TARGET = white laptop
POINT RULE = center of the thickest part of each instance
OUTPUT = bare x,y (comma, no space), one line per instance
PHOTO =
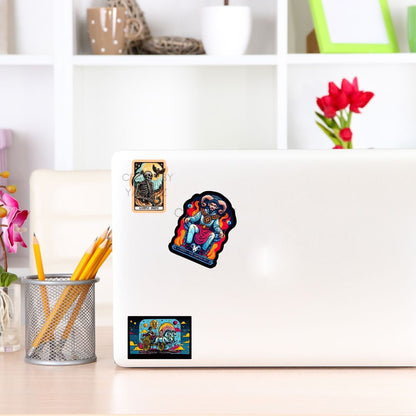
264,258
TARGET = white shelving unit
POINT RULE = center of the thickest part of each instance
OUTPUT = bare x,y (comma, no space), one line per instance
175,101
72,110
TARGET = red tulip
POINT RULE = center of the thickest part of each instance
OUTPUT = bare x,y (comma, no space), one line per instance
340,98
346,134
357,99
327,106
336,100
337,108
349,88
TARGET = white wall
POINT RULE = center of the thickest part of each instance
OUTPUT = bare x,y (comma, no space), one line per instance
171,108
26,107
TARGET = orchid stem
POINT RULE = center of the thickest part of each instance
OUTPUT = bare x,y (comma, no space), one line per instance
4,251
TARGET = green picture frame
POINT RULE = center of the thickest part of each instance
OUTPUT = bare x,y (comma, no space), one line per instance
381,34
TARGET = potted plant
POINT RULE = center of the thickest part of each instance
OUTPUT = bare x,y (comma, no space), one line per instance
226,29
12,220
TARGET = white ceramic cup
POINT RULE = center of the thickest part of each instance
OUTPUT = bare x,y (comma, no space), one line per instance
225,29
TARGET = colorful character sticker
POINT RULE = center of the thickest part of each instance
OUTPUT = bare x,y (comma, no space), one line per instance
148,181
155,337
203,228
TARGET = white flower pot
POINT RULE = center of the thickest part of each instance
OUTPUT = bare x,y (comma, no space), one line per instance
10,339
226,29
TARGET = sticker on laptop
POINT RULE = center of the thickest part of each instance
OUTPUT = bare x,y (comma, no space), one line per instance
148,181
203,228
156,337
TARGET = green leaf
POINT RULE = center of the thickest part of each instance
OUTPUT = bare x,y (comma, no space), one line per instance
13,278
7,278
330,134
330,122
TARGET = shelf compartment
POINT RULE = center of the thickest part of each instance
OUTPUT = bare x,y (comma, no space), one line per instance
31,27
386,122
182,18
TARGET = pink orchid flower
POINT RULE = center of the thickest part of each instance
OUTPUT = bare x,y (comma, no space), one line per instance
12,223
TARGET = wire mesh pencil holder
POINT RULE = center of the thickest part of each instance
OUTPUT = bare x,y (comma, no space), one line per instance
59,320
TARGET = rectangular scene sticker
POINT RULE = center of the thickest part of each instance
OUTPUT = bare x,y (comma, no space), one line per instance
159,337
148,181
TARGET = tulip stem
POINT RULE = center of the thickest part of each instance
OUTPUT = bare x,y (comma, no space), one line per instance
4,251
349,118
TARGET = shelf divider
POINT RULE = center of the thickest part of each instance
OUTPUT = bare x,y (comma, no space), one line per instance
63,86
282,70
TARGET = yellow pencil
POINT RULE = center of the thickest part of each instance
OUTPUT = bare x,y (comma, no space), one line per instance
94,260
83,262
108,251
75,312
38,258
41,275
90,262
103,250
63,304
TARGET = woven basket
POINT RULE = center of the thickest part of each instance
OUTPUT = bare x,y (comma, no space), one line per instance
148,45
171,45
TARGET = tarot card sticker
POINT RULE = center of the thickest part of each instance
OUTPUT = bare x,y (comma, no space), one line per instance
155,337
148,181
203,228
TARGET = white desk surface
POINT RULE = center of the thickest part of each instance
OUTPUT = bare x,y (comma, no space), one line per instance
104,388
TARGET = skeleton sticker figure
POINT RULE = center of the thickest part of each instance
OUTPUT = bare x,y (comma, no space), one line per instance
148,181
203,228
